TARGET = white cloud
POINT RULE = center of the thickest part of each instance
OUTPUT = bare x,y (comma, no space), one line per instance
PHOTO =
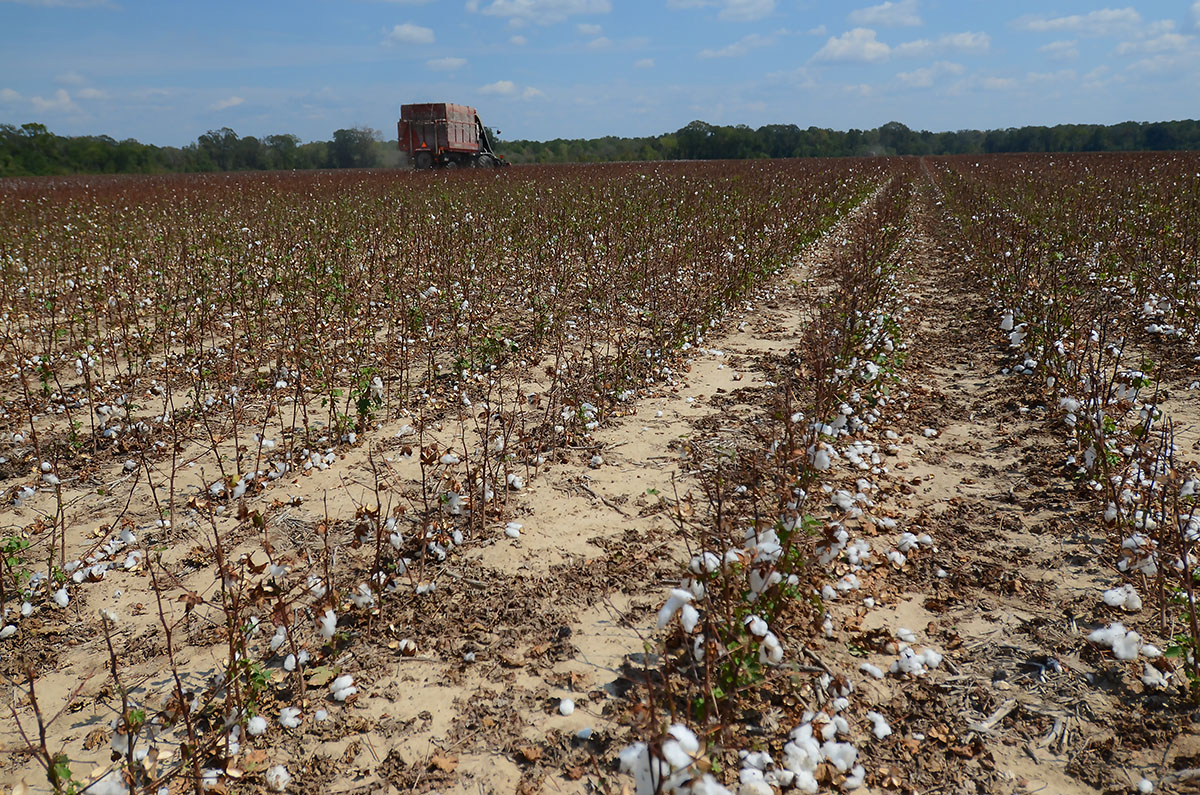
1063,50
531,93
1102,22
862,44
61,101
519,41
91,93
744,45
732,10
645,63
445,64
408,33
1196,15
1063,77
228,102
71,79
1167,42
500,87
589,30
8,95
950,42
746,10
998,83
821,30
898,14
599,43
542,12
859,44
928,75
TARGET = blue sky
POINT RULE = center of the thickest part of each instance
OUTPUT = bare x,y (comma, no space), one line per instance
166,71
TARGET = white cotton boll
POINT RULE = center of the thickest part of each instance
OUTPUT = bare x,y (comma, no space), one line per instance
855,778
871,669
752,782
26,609
61,597
686,738
907,542
278,638
256,726
688,618
112,783
770,651
321,715
344,693
757,626
566,707
51,480
676,600
930,658
1127,647
130,465
1153,678
289,717
278,778
327,624
1187,490
930,432
396,540
363,597
512,530
842,755
1125,597
1006,322
289,662
674,755
1145,786
881,728
515,481
341,683
828,594
1150,650
906,635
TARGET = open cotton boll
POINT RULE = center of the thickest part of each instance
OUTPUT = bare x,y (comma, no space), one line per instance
881,728
566,707
327,624
1125,597
256,726
675,601
279,638
855,779
111,783
1127,648
289,717
363,597
752,782
906,635
512,530
278,778
688,618
1153,678
61,597
872,670
1006,322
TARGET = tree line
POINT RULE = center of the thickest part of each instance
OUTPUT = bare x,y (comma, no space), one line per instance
702,141
31,149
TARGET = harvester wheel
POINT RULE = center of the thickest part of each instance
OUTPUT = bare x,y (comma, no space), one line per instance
486,161
450,164
423,160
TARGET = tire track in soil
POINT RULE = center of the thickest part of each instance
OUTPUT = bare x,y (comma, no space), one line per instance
1024,560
